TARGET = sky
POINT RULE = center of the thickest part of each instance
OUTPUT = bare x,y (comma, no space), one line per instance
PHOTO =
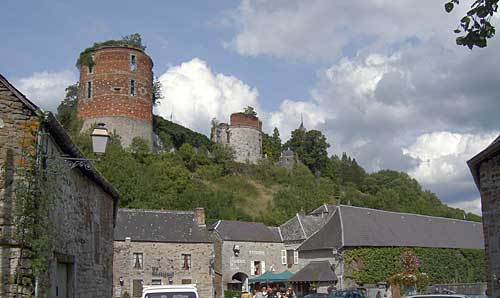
382,79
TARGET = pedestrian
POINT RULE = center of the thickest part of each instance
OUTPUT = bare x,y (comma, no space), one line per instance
379,295
260,294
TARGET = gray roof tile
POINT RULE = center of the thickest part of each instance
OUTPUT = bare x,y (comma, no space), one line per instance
159,226
232,230
354,226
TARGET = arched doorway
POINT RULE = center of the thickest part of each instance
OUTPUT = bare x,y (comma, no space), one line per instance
239,282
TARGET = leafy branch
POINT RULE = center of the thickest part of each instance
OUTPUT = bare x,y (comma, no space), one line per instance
475,26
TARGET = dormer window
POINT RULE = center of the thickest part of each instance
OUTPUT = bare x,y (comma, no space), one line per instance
133,62
131,88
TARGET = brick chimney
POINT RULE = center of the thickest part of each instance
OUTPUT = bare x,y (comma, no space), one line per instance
199,217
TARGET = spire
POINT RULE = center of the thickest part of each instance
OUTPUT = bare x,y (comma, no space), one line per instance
301,127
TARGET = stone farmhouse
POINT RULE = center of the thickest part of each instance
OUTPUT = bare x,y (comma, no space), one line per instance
485,169
351,227
80,214
160,248
244,250
243,134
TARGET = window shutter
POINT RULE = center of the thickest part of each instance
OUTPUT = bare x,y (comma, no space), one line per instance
283,257
295,257
252,268
263,264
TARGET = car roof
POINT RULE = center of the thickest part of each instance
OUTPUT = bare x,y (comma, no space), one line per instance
169,288
436,295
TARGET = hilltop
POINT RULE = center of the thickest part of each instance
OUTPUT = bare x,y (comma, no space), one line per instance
198,173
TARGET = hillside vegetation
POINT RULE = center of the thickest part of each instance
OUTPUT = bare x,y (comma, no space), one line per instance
201,174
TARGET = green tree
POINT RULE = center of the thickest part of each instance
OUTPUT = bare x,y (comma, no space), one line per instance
66,111
250,111
475,26
311,148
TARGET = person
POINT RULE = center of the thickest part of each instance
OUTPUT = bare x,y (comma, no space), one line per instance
379,295
245,294
260,294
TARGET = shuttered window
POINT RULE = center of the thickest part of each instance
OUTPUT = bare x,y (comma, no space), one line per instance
283,257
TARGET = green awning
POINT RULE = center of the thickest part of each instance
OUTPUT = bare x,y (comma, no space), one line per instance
270,277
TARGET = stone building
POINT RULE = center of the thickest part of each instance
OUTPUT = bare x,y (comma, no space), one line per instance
350,227
161,248
244,250
79,215
485,168
243,134
117,90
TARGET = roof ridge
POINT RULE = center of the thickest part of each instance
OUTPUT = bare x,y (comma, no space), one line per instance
413,214
155,211
301,226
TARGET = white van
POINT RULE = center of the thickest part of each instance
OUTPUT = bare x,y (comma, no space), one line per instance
170,291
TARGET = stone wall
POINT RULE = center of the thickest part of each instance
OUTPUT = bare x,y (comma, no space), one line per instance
246,143
110,97
489,177
81,214
269,253
167,258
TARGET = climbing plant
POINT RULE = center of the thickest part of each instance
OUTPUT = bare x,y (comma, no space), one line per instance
34,193
372,265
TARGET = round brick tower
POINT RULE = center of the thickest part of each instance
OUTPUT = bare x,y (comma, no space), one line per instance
245,137
117,91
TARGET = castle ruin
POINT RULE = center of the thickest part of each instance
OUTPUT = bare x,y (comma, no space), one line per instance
116,89
243,134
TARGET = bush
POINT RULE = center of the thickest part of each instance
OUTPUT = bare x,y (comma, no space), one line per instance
232,294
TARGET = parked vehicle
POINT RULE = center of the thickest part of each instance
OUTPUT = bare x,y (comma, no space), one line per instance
349,293
316,295
438,296
170,291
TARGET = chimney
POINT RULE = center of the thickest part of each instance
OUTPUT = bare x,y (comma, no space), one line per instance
199,217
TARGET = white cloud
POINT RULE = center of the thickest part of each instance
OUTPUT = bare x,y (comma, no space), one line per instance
194,94
441,156
324,29
46,89
473,206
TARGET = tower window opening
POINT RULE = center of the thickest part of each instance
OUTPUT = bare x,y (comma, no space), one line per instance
89,89
133,62
132,88
91,68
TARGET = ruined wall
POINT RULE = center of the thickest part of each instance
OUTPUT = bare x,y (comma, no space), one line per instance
489,177
167,258
246,143
81,214
111,101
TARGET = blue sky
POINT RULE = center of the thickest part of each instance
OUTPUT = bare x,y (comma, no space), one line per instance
382,79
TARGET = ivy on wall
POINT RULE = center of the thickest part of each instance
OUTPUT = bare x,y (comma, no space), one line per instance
372,265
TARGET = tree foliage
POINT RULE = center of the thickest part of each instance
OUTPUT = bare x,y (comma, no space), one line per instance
310,146
475,27
250,111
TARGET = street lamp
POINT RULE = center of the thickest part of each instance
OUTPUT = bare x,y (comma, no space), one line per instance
100,137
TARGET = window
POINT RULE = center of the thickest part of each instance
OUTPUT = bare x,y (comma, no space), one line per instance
131,88
133,62
186,261
156,282
89,89
289,257
186,281
91,68
138,260
257,267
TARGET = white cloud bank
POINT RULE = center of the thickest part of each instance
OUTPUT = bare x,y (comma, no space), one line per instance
194,94
47,88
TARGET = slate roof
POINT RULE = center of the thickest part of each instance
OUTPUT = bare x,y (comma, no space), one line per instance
301,226
232,230
324,209
159,226
475,162
362,227
315,271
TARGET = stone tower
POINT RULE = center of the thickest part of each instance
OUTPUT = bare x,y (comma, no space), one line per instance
243,134
117,90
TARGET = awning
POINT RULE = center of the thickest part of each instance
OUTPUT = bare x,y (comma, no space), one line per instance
315,272
271,277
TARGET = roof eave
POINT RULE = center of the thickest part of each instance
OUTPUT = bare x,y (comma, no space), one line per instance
475,162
